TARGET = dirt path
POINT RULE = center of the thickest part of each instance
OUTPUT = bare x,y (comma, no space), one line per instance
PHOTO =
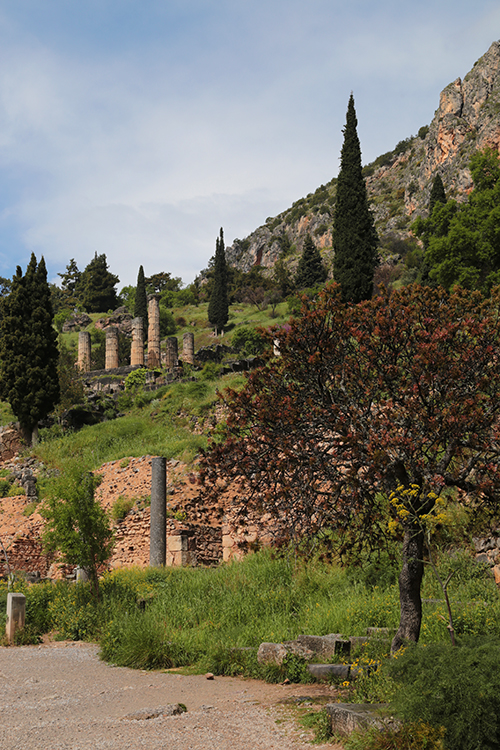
60,696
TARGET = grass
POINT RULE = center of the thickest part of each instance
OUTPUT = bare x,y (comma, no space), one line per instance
159,426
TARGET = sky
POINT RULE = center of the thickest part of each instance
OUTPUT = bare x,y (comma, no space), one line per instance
139,128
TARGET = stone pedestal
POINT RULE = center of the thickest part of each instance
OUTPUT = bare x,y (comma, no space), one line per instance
137,349
111,349
188,348
84,351
16,609
158,522
178,554
154,355
172,353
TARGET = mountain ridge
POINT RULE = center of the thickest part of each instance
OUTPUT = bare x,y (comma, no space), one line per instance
398,182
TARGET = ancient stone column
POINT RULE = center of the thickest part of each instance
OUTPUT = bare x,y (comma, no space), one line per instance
16,609
137,349
188,348
111,348
154,356
158,518
172,353
84,350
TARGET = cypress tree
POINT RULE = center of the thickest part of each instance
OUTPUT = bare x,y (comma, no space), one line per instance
28,348
354,237
311,270
438,194
218,306
96,287
141,300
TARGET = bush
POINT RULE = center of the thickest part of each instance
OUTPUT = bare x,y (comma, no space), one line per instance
248,341
414,736
121,507
453,687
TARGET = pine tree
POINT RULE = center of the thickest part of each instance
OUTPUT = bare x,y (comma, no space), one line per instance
218,306
141,300
311,270
28,348
438,194
69,282
354,236
96,287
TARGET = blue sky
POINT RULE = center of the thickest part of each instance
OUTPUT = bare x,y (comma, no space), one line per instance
137,128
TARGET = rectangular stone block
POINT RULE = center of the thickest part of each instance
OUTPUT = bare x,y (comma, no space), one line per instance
16,609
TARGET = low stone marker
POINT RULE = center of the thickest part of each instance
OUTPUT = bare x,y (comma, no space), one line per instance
16,612
346,717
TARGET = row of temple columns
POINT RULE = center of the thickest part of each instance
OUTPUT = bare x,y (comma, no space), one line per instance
137,357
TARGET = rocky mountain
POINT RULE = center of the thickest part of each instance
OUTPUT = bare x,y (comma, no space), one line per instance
398,182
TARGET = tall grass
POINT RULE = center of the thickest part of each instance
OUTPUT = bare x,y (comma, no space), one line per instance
159,426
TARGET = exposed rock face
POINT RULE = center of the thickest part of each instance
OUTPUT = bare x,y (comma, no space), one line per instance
467,119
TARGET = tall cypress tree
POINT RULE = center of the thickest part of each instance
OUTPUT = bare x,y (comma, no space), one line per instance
438,194
310,270
141,300
28,348
218,306
354,237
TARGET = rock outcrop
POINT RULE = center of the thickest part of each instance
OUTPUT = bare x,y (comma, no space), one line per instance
398,183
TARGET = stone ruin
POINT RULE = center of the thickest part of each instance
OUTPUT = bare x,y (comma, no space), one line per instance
138,357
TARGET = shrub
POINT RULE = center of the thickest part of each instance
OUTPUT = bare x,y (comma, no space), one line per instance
453,687
413,736
121,507
248,341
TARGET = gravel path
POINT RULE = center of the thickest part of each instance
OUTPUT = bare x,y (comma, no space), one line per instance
60,696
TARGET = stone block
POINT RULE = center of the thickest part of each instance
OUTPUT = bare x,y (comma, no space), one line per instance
177,543
326,645
346,717
327,671
16,612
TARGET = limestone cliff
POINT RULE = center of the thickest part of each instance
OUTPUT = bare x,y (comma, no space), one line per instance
398,183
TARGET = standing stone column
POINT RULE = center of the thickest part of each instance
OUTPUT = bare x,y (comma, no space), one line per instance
84,350
16,609
137,349
154,356
111,348
158,519
188,348
172,353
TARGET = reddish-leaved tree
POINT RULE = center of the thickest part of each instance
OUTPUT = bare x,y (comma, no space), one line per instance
398,394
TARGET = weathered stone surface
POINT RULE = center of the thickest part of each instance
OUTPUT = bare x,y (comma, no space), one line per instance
346,717
325,645
172,709
275,653
326,671
76,322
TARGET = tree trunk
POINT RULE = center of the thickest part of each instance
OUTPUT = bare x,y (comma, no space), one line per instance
410,580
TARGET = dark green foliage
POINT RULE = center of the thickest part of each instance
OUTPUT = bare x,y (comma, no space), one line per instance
167,322
218,306
77,526
453,687
354,236
311,270
463,241
438,194
161,282
248,341
141,300
70,281
28,348
70,379
96,287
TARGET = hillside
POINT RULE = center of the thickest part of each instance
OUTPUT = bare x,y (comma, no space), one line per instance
398,182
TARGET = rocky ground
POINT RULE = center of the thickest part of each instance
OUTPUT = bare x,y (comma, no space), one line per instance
61,697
